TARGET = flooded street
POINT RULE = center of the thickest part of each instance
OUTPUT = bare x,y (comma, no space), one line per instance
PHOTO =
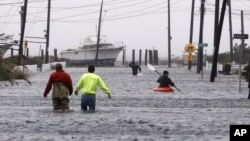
200,111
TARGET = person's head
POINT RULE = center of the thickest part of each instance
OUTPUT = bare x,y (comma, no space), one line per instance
91,68
58,66
165,73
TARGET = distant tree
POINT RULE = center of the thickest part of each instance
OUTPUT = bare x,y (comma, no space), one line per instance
9,73
225,57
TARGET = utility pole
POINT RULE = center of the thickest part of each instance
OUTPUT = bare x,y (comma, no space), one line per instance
248,70
23,21
230,30
47,34
98,36
216,25
217,43
241,50
169,37
200,49
242,41
216,20
191,32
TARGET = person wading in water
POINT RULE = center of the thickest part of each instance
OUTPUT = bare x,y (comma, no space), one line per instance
135,68
62,88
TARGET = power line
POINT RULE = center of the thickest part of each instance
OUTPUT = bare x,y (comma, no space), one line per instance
119,10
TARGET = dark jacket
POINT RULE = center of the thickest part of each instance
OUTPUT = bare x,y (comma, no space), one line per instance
165,81
135,68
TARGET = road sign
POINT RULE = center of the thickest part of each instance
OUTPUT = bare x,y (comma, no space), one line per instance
189,57
202,45
190,48
241,36
25,43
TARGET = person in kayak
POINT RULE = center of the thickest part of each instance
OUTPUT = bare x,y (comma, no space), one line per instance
165,81
88,83
62,87
135,68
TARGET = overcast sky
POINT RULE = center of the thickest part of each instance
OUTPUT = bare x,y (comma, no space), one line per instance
139,24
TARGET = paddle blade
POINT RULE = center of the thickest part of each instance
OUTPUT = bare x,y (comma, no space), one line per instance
150,67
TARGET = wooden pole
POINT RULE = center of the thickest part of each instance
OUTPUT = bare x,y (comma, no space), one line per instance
146,57
200,49
191,32
150,53
248,71
155,53
23,21
55,54
230,30
139,57
124,55
133,55
98,36
217,43
169,37
47,34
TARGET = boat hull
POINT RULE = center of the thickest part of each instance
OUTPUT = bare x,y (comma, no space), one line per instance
84,57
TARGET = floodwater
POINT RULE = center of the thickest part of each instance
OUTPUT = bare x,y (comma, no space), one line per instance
201,111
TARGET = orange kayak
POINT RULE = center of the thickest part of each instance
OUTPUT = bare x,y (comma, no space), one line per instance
163,89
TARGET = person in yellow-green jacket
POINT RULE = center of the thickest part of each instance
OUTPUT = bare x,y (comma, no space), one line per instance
88,84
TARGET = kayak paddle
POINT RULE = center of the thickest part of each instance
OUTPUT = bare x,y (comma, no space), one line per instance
150,67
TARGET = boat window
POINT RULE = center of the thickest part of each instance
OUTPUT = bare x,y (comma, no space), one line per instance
94,46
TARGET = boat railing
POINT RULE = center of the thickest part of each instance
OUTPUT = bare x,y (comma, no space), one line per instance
90,43
118,44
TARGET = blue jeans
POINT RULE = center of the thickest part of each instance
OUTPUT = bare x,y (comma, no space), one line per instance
88,101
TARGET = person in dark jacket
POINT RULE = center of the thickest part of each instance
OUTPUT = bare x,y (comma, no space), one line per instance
62,87
165,81
135,68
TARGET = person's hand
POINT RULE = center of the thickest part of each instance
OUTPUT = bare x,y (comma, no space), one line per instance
76,92
45,95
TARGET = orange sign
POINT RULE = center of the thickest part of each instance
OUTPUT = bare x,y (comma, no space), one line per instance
190,48
189,57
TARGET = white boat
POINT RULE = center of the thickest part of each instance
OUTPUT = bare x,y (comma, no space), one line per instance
87,53
93,51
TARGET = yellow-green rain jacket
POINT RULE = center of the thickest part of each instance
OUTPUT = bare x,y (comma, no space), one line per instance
88,84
